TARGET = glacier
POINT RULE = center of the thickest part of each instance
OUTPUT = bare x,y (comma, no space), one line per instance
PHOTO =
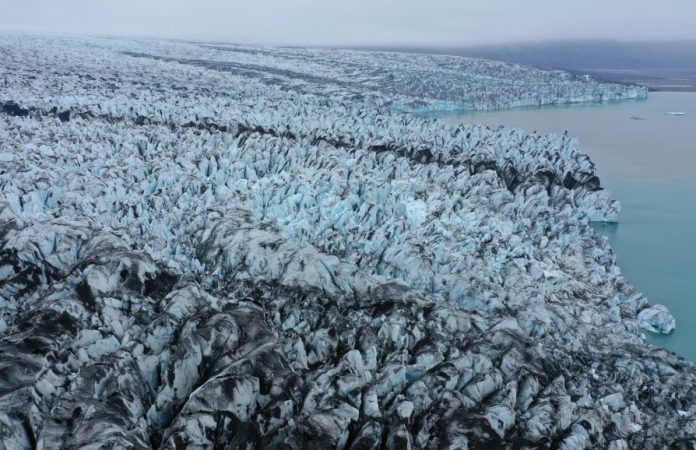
222,246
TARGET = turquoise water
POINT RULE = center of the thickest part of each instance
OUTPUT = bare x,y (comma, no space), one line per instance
650,166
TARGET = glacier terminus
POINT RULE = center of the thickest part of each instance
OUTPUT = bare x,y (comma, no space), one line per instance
219,246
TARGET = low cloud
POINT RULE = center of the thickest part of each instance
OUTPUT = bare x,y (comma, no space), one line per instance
358,22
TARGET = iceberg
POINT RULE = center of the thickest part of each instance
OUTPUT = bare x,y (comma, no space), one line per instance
657,319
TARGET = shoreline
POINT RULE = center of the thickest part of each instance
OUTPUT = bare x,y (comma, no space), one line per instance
642,194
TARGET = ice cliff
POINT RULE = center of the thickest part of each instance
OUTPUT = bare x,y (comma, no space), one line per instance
231,247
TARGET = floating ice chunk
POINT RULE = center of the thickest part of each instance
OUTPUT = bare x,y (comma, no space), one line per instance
656,319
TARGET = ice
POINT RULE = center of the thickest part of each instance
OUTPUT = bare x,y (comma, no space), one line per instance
657,319
405,409
220,245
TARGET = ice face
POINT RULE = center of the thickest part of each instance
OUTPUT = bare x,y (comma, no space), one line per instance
206,244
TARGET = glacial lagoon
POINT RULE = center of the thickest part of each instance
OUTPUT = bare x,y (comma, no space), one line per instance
647,159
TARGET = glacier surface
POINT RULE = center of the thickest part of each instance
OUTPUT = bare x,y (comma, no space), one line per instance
219,246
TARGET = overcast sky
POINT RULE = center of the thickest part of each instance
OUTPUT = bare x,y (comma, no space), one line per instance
359,22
